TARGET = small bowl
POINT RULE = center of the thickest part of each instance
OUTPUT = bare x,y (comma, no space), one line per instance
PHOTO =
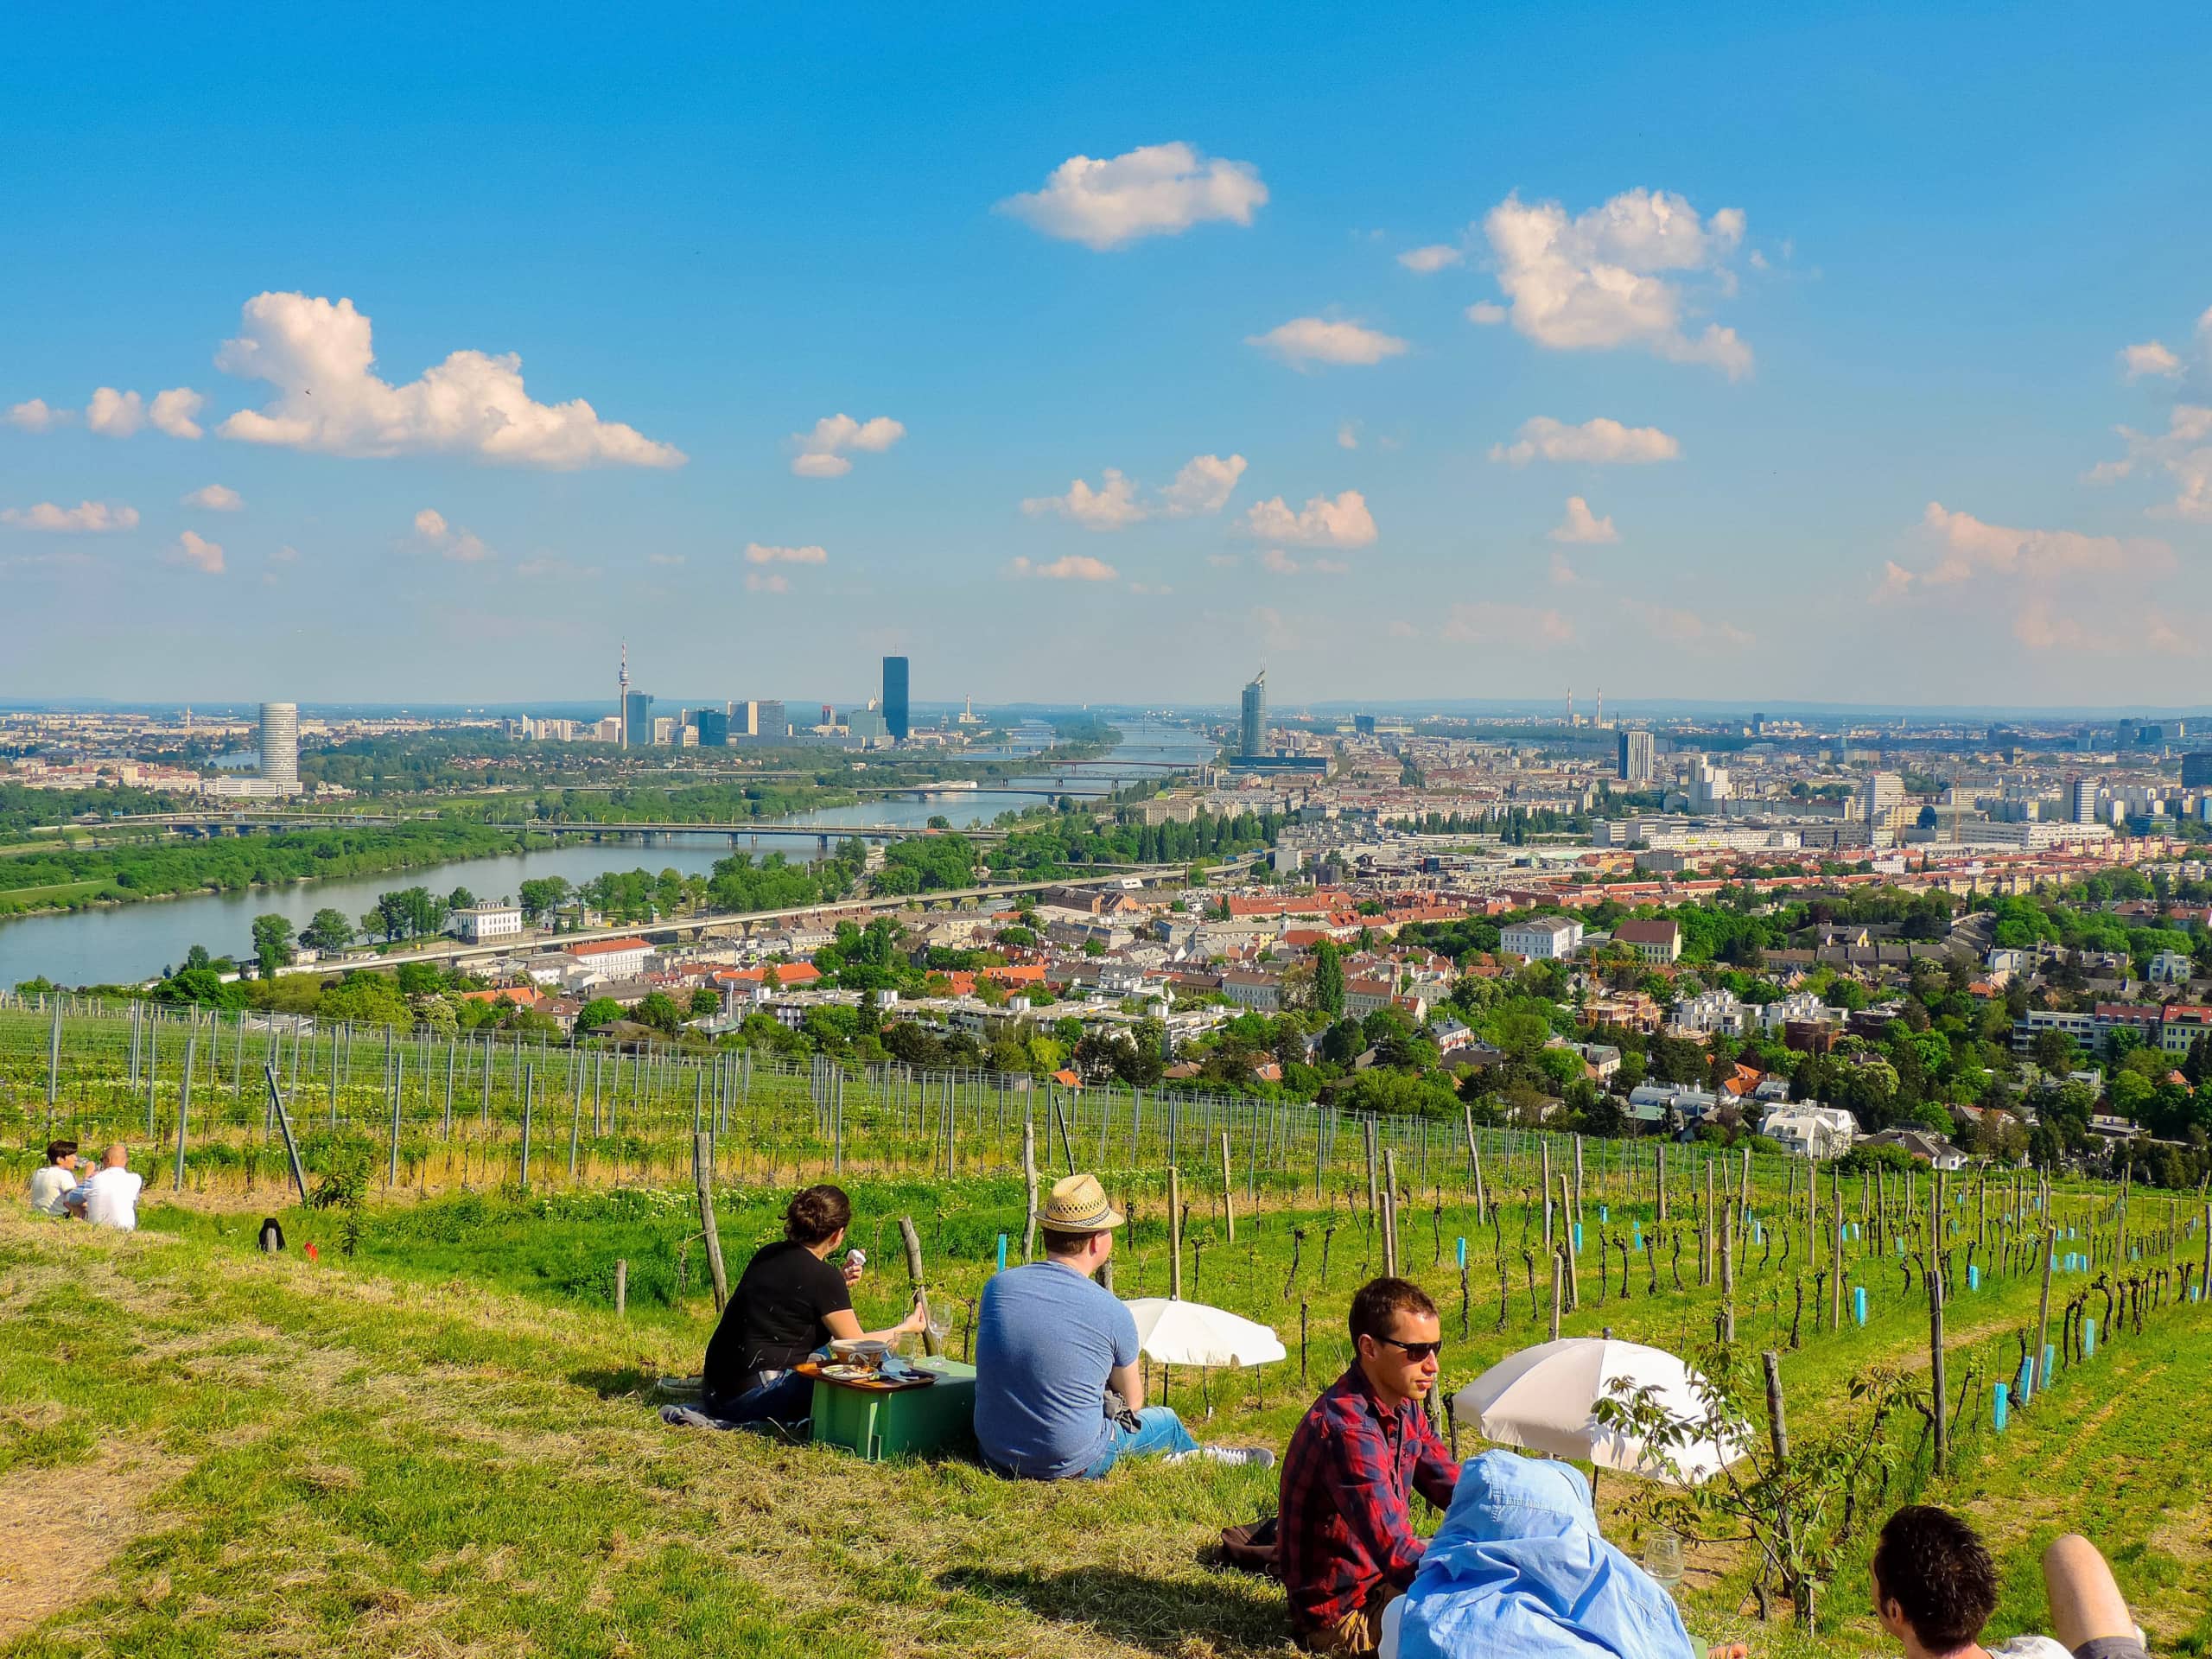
858,1351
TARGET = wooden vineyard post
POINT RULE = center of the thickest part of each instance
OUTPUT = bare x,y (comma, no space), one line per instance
913,1242
1174,1233
1934,1273
1373,1200
1544,1186
284,1123
1704,1256
1474,1160
1728,1276
1835,1261
1029,1184
621,1287
1813,1224
1228,1191
528,1100
1566,1237
1390,1214
2041,1376
1559,1281
1578,1180
1659,1180
702,1155
184,1112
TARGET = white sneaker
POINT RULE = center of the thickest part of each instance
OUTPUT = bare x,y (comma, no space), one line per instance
1245,1457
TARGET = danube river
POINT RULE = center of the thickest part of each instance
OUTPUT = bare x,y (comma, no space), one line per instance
121,943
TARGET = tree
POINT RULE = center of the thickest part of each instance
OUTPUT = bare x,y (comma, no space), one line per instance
659,1011
460,899
705,1003
272,944
1329,978
541,896
327,930
198,957
599,1011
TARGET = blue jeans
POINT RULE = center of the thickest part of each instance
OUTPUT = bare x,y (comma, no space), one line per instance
1160,1430
788,1398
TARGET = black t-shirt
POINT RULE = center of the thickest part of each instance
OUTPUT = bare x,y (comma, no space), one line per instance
777,1316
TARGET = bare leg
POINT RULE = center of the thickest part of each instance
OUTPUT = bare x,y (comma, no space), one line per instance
2085,1602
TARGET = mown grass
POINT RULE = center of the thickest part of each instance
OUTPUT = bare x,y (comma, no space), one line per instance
446,1442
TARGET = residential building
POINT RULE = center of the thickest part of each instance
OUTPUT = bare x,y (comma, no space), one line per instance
616,959
1638,756
1653,938
1260,992
1812,1131
1711,1011
1365,996
1928,1147
1543,938
2081,801
2171,967
487,920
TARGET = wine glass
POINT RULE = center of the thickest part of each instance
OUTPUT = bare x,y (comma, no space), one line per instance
1663,1558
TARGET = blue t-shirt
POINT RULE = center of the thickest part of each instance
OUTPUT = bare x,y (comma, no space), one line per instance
1046,1339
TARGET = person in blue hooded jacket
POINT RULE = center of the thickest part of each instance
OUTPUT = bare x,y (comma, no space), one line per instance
1519,1569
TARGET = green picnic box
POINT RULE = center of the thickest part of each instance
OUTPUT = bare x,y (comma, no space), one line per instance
901,1423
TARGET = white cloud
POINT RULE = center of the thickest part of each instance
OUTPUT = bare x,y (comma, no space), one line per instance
202,555
2065,590
1600,440
1344,522
1607,278
1073,567
216,498
1430,259
2149,358
1113,505
756,554
285,554
822,452
91,517
550,567
1306,340
452,544
173,411
1347,435
317,355
1223,560
115,414
1486,313
1156,190
1204,486
1563,573
1278,562
35,416
1581,526
664,558
1492,622
766,581
2182,451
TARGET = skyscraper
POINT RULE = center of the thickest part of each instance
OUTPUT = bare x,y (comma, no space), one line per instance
280,745
637,719
1881,797
2081,801
894,698
1252,730
714,729
1638,755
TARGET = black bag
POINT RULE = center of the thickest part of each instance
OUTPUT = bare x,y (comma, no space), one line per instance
1251,1549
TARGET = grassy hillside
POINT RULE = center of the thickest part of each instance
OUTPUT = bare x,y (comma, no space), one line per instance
446,1443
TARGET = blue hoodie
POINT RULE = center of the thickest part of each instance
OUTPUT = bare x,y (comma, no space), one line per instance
1519,1571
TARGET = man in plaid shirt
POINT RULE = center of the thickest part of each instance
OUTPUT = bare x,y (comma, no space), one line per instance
1346,1546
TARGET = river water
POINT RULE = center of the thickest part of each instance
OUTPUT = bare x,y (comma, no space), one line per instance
122,944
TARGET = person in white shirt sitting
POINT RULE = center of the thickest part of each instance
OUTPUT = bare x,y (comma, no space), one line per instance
109,1196
55,1178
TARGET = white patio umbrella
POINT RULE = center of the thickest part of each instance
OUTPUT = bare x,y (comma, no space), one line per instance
1191,1333
1543,1398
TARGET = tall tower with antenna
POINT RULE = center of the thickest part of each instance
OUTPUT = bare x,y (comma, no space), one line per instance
1570,707
1601,708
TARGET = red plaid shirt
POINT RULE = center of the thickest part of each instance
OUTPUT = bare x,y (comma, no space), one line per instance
1347,1482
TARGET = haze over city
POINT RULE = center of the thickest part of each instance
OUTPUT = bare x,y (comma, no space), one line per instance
1860,358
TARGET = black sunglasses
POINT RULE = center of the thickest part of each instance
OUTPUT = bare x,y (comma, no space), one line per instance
1416,1352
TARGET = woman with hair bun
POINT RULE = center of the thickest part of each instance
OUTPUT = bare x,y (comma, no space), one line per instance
789,1303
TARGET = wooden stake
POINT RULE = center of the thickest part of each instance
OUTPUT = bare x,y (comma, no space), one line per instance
1174,1233
1227,1190
913,1242
702,1155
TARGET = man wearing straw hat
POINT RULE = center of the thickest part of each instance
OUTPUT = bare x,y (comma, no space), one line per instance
1059,1395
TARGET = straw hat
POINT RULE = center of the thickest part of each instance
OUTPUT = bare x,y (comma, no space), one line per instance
1077,1204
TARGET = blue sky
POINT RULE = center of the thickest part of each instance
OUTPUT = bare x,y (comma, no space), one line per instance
1836,321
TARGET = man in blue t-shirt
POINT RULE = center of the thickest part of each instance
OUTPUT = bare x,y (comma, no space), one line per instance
1059,1394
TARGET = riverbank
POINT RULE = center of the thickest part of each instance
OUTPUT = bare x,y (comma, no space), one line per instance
65,879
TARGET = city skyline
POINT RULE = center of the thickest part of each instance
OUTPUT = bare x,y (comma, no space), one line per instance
1641,353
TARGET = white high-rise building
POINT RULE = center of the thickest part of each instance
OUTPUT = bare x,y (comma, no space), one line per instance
280,746
2081,801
